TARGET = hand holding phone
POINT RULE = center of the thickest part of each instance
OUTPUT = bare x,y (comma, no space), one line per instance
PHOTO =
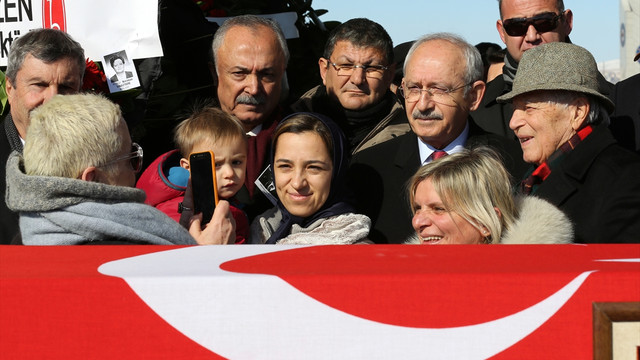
203,183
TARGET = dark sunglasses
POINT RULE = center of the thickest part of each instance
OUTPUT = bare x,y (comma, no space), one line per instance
543,22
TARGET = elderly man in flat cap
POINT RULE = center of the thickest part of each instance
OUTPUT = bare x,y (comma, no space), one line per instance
560,118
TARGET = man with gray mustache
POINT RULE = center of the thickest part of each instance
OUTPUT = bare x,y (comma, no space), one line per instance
247,99
250,58
442,83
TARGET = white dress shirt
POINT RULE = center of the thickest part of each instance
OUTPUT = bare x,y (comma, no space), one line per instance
453,147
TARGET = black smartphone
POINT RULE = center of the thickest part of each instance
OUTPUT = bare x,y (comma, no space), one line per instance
203,184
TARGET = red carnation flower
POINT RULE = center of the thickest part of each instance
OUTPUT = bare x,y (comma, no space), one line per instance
94,78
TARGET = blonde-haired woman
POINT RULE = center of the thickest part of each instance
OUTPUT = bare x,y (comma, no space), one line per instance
466,198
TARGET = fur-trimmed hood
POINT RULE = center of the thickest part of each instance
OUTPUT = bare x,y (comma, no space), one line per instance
539,222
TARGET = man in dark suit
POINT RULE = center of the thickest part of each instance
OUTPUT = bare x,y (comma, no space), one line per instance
442,83
560,117
41,64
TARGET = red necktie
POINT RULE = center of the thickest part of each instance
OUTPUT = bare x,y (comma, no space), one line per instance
438,154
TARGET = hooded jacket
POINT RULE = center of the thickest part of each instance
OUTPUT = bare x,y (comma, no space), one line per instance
63,211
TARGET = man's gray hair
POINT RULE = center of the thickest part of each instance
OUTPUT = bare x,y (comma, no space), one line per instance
251,22
362,33
47,45
559,6
474,69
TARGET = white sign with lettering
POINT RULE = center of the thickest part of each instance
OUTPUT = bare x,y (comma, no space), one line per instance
101,27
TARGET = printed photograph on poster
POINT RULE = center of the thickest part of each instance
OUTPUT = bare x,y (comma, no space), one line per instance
121,73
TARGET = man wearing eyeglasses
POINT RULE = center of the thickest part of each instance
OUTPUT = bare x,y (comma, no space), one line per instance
357,68
74,183
523,24
41,64
442,83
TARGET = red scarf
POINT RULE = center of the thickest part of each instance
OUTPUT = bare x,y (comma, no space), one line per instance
542,172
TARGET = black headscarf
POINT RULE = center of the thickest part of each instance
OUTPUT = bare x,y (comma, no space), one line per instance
335,203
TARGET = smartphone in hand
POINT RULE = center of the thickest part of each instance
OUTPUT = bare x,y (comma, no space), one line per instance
203,184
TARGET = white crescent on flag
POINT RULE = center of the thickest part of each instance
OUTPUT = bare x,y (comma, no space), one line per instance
239,315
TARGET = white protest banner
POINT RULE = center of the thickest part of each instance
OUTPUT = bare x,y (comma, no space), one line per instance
101,27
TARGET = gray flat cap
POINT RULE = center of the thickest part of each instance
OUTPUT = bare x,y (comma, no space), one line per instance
558,66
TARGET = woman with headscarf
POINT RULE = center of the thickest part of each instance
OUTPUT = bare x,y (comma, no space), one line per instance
309,165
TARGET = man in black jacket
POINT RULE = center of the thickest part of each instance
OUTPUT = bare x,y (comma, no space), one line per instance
442,83
560,117
41,64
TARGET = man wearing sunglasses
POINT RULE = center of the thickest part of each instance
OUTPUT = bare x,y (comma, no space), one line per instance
523,25
357,69
74,183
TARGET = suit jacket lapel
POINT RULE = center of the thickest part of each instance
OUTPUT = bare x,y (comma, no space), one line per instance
407,159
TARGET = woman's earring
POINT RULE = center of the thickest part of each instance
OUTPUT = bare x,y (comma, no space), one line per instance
487,236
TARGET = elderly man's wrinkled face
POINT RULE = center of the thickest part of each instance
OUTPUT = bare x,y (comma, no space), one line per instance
250,65
438,120
36,82
515,11
542,126
357,88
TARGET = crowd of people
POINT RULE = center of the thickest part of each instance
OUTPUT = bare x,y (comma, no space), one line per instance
436,141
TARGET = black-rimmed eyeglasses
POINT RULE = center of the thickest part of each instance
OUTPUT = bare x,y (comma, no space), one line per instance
543,22
135,157
371,71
